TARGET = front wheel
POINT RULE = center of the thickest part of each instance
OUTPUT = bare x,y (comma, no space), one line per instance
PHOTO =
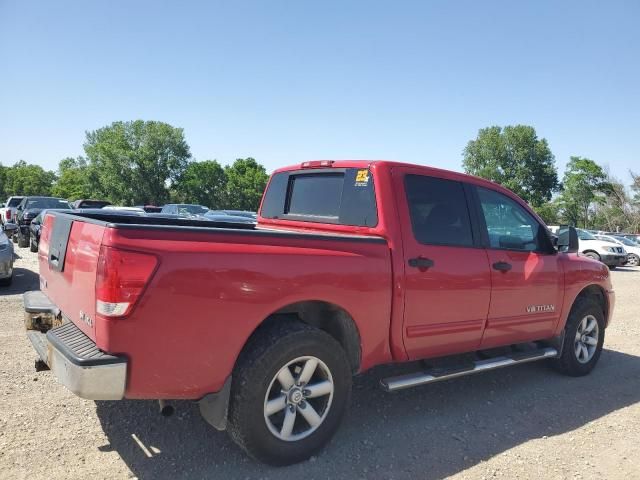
593,255
289,392
583,339
633,260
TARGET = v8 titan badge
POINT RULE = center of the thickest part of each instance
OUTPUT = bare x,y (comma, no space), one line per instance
362,178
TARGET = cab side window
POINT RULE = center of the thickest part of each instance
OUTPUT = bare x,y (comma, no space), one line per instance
439,212
509,225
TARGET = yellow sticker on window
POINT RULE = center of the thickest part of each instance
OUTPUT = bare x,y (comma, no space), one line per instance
362,178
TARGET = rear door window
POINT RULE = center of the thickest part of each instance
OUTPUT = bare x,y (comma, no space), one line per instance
439,212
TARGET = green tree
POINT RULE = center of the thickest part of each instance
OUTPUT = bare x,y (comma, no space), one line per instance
204,183
27,179
73,179
584,184
246,181
136,162
549,212
515,157
3,183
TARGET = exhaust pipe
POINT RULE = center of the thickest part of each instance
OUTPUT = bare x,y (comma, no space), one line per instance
166,410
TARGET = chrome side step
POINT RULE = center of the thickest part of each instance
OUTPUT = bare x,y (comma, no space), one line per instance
409,380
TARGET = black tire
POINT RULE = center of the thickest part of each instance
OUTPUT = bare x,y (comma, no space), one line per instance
264,356
14,237
32,246
592,254
23,242
633,260
612,267
568,362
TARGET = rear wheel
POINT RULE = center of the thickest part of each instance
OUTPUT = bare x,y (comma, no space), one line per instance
583,339
290,389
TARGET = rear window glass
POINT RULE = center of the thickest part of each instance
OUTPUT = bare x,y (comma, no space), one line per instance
47,203
14,202
318,195
340,196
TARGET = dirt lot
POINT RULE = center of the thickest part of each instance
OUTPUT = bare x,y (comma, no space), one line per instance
524,422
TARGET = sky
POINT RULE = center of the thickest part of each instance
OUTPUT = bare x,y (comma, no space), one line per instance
289,81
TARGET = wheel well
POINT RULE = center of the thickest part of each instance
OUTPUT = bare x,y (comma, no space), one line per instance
327,317
596,293
591,251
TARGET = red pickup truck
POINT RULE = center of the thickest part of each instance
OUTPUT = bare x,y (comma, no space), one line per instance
352,264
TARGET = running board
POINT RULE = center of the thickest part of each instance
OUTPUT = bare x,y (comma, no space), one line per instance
409,380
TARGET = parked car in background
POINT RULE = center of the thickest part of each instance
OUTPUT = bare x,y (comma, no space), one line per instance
610,254
8,212
235,213
184,209
29,208
633,237
632,249
124,209
216,216
150,208
90,204
6,260
35,227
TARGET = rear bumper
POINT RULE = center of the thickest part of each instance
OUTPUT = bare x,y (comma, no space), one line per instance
72,356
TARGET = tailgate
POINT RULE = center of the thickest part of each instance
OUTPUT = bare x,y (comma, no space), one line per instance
68,259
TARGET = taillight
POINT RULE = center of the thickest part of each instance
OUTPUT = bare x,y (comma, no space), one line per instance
8,215
120,280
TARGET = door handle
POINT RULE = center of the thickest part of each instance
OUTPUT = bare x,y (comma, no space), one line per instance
421,262
502,266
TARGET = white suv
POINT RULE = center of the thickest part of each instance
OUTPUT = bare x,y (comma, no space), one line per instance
610,254
632,249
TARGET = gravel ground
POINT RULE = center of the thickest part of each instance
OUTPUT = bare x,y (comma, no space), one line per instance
518,423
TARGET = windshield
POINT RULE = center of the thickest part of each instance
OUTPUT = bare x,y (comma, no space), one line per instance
584,235
192,209
14,202
47,203
626,241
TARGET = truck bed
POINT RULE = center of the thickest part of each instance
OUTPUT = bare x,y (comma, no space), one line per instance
213,280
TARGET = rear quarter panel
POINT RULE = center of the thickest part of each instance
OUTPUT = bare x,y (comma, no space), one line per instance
212,290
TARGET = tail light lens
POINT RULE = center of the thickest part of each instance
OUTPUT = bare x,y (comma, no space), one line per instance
120,280
8,215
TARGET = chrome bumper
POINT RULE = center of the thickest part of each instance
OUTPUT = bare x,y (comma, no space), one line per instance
74,358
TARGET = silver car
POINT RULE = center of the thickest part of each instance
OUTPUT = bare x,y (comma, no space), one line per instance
6,260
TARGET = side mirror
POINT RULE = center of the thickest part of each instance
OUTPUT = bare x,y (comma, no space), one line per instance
568,240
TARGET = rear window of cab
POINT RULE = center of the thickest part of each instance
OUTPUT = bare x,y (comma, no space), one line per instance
341,196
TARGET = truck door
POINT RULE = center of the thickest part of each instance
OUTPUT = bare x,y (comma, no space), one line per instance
447,276
526,285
